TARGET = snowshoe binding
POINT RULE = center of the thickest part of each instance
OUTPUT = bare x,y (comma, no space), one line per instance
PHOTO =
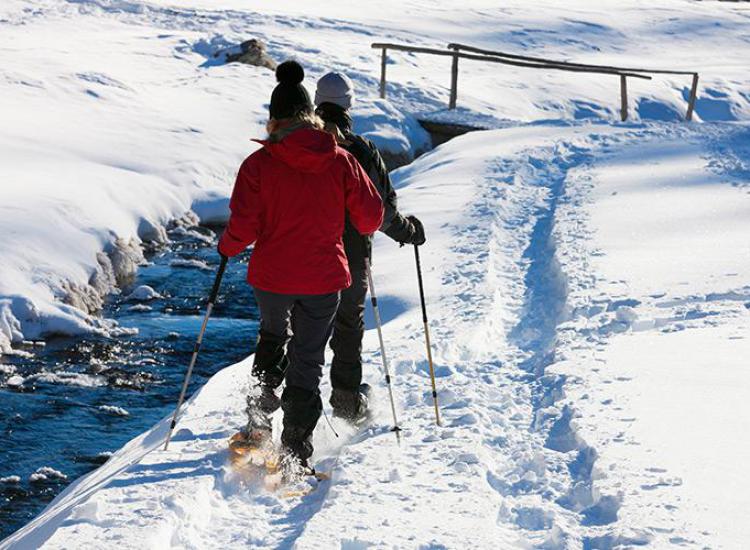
294,477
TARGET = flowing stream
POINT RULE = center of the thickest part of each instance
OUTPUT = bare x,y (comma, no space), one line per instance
76,400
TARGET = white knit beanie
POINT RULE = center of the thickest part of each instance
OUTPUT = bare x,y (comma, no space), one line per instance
335,88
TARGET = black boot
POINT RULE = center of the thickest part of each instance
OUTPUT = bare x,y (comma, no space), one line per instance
269,369
302,409
256,434
350,405
261,404
296,451
270,362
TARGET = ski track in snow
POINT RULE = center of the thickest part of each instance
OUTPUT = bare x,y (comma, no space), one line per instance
544,471
600,309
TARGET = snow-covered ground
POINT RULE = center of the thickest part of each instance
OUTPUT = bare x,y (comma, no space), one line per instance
588,284
584,400
656,346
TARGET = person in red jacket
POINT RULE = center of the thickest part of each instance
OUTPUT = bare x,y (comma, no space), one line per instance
291,199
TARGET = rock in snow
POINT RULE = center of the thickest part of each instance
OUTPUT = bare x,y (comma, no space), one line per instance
143,293
249,52
46,473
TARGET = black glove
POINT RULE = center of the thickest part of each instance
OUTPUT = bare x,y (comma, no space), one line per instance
417,233
408,230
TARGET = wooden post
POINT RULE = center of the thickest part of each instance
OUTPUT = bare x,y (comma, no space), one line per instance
383,61
454,82
693,96
623,97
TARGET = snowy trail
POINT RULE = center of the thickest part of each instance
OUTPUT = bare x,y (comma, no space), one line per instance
658,277
472,467
522,321
588,283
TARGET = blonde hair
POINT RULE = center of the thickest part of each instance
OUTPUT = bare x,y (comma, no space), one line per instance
282,127
310,118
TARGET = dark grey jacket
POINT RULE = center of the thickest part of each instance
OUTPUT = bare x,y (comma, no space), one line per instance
394,225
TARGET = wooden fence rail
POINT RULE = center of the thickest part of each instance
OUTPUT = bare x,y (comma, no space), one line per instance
457,51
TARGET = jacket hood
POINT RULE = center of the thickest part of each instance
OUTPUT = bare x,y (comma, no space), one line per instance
307,150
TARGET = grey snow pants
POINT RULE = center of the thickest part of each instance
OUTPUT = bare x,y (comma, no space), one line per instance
305,321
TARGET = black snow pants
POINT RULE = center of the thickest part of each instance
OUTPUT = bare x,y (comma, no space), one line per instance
304,322
348,330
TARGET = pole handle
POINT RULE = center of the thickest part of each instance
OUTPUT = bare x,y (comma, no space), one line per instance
217,282
421,286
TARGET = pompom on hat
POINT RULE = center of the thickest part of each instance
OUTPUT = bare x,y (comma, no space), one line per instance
290,96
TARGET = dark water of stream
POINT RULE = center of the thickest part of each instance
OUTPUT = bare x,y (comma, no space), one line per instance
82,398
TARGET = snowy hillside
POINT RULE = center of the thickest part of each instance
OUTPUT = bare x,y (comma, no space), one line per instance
137,124
588,282
136,129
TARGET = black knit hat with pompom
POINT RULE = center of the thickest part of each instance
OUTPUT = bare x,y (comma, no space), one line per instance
290,96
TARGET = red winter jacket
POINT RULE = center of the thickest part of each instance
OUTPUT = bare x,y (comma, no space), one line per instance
290,199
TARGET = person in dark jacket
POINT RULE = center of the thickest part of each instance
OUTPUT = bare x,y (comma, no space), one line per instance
334,97
292,199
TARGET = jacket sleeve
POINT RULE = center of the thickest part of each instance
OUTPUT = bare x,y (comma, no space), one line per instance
363,202
244,221
394,224
378,173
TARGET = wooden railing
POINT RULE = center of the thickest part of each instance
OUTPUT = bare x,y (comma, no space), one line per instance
459,51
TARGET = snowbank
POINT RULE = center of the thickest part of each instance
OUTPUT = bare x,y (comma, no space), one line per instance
114,128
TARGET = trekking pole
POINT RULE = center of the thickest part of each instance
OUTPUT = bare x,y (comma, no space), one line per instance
376,311
427,335
196,349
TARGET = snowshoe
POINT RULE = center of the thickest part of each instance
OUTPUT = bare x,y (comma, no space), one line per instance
294,477
253,442
284,474
351,406
251,448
